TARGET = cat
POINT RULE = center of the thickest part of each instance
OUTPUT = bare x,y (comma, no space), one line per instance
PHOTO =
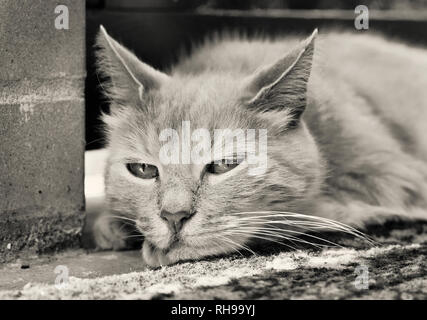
345,121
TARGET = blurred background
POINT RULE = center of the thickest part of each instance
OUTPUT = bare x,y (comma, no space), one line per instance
158,31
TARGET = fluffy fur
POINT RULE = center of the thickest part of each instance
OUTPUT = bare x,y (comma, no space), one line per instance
355,156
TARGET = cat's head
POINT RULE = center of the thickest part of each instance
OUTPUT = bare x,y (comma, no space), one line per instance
189,207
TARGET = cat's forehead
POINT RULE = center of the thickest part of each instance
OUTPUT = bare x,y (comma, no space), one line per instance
205,102
186,104
214,90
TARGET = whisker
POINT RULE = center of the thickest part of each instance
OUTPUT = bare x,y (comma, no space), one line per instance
133,236
252,235
286,214
280,233
300,233
301,224
228,242
125,222
238,245
122,218
283,233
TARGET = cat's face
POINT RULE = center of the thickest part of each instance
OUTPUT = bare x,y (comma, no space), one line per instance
190,209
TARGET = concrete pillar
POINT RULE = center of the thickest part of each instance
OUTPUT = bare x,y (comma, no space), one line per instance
42,72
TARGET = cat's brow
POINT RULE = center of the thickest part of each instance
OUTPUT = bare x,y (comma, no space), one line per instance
219,152
130,157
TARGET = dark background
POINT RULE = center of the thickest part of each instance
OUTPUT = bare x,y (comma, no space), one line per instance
159,30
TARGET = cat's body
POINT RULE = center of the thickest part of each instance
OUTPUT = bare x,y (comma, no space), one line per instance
367,111
357,155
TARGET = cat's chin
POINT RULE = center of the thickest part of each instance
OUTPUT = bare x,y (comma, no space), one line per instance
155,257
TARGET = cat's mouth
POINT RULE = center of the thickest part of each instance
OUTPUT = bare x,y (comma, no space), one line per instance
178,250
155,256
173,241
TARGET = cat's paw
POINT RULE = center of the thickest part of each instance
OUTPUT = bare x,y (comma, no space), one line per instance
108,234
361,215
363,219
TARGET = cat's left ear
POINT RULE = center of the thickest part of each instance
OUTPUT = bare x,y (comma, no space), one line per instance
283,85
129,78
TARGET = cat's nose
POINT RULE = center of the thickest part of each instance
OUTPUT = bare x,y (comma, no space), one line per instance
175,220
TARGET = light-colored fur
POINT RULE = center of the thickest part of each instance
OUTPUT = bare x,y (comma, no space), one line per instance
357,157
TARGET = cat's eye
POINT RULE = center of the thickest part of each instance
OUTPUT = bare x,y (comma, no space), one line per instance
143,170
219,168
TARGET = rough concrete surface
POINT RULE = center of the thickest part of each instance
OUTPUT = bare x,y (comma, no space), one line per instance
31,46
396,269
41,127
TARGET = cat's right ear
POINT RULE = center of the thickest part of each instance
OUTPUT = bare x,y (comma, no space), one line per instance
129,79
282,86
